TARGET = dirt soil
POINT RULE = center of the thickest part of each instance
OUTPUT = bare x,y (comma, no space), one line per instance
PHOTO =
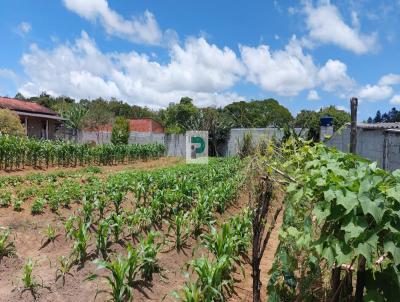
140,164
27,233
244,288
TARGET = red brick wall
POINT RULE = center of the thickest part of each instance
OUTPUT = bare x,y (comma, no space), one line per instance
146,125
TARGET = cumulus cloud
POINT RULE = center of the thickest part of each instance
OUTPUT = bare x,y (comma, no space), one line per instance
390,79
139,29
333,75
375,92
313,95
290,71
197,69
285,72
326,25
395,99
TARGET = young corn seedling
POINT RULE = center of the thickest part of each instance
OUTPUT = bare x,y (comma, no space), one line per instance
69,226
117,199
133,261
181,230
64,266
214,280
102,238
190,293
82,239
117,226
87,208
118,268
27,279
101,204
6,248
148,255
38,206
222,243
50,235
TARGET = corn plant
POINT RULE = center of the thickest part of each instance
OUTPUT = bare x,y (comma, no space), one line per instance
49,236
28,280
134,263
117,197
82,239
69,226
191,292
148,254
118,268
102,238
100,204
117,225
222,243
64,267
213,278
6,248
181,231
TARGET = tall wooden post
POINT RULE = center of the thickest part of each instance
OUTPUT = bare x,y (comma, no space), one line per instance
353,127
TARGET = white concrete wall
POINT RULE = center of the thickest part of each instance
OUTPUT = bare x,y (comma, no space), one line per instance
174,143
371,145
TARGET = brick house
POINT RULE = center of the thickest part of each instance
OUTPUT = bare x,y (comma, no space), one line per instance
147,125
39,121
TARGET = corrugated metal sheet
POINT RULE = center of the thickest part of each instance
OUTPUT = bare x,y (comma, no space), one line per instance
379,126
18,105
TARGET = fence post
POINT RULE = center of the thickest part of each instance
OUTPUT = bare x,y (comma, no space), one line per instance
353,126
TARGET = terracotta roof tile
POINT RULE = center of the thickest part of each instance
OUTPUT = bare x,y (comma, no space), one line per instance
18,105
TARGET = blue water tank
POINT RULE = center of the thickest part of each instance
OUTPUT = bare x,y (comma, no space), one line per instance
326,121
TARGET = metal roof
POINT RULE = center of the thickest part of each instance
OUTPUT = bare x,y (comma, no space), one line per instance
378,126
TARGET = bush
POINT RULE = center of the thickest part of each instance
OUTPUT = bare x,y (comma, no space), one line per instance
120,132
10,123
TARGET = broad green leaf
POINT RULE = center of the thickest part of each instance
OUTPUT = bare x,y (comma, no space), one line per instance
348,200
373,207
329,254
329,195
390,247
354,230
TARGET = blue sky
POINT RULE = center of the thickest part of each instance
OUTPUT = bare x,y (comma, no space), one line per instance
306,54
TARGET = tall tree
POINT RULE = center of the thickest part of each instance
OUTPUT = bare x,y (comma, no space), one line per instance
10,123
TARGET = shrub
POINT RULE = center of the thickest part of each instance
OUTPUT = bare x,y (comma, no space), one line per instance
120,132
10,123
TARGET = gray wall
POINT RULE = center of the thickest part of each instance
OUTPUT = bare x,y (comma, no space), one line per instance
174,143
380,145
258,134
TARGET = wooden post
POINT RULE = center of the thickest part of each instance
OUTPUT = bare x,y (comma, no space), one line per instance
47,129
26,125
353,127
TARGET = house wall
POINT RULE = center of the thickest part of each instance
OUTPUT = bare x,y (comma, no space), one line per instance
35,127
378,145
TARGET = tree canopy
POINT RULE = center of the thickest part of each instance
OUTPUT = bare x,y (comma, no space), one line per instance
120,131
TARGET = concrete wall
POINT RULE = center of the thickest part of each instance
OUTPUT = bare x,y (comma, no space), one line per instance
380,145
174,143
258,134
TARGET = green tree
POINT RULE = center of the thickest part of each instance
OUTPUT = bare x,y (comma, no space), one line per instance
179,117
258,114
311,120
120,132
10,123
75,115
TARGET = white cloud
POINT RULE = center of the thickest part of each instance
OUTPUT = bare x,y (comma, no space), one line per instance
342,108
326,25
375,92
395,99
24,28
390,79
140,29
197,69
285,72
333,76
8,75
313,95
